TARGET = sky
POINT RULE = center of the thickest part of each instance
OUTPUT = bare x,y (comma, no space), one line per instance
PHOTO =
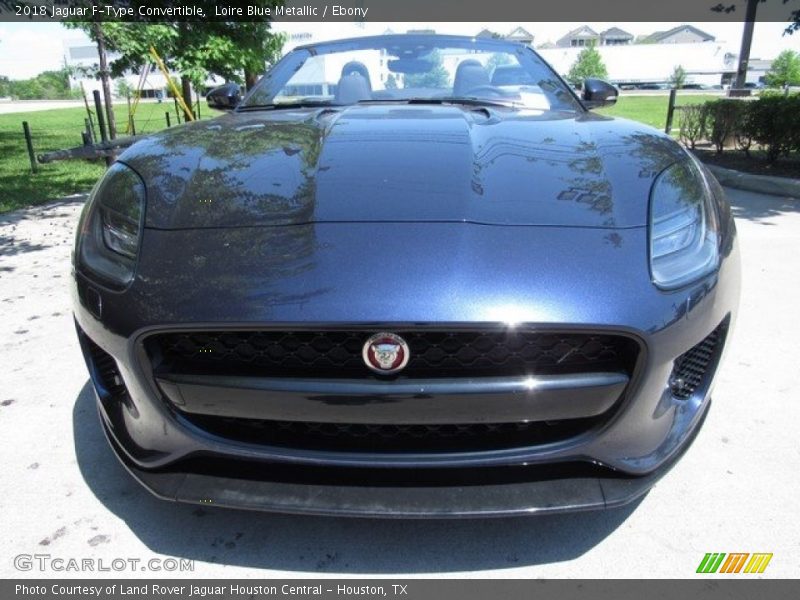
27,49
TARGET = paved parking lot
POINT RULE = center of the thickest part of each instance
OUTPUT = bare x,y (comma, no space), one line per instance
65,495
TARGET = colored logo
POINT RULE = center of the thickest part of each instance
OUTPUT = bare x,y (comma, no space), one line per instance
386,353
735,562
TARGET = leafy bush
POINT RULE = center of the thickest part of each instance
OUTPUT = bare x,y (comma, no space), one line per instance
772,121
771,93
744,132
723,118
693,124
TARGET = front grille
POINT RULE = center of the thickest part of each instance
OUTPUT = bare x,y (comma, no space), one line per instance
353,437
691,367
337,354
433,354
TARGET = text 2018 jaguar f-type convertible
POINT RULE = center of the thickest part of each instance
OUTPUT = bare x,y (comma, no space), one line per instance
407,276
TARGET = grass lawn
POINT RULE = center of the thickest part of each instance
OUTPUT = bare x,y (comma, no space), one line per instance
651,110
60,128
55,130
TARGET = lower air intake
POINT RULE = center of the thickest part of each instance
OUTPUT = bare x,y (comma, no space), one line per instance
692,367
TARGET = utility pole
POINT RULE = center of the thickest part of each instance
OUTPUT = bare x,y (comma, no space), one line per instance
105,79
747,39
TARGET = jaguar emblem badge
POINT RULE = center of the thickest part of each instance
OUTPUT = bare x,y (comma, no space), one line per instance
386,353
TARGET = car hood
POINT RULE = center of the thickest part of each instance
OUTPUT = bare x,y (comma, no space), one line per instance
397,163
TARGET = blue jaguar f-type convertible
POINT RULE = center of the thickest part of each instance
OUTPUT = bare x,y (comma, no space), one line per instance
405,276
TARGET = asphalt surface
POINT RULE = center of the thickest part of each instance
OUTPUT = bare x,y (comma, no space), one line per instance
66,497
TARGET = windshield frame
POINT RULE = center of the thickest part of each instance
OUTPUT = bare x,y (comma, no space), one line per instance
286,67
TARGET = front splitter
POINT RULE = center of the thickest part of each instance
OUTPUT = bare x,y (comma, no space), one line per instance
554,495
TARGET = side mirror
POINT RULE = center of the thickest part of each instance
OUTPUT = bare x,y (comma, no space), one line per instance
597,93
224,97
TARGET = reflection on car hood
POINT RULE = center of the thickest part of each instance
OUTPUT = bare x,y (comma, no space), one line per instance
395,163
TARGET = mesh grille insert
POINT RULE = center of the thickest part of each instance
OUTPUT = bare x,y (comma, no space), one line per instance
390,438
691,367
433,353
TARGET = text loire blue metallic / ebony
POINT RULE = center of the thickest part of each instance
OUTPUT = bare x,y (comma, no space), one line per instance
406,276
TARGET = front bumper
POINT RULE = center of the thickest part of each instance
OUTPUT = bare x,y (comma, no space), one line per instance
609,464
555,489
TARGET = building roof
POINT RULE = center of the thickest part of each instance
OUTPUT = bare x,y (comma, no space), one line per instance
616,32
486,33
520,33
582,31
659,36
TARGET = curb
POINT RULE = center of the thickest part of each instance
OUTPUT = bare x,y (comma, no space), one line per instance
762,184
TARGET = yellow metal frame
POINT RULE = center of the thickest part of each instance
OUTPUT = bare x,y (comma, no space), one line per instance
163,68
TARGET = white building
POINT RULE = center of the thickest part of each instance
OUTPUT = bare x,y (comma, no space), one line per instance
707,63
81,56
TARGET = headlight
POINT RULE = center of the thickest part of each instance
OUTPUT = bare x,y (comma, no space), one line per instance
110,228
684,232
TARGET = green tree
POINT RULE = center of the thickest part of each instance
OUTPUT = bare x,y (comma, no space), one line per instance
48,85
588,64
495,60
785,70
678,77
233,50
435,77
391,82
123,88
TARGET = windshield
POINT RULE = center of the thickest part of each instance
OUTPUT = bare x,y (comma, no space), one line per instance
409,68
